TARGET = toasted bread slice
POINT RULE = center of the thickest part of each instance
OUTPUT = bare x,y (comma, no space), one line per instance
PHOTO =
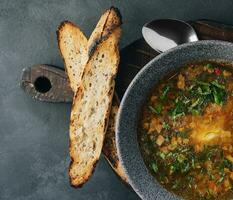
109,147
73,47
91,108
110,19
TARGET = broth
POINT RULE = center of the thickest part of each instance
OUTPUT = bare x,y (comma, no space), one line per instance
186,131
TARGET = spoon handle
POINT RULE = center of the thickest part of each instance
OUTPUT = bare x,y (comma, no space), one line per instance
213,30
46,83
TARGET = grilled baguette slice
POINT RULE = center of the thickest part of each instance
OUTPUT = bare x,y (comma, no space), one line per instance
91,108
109,147
73,48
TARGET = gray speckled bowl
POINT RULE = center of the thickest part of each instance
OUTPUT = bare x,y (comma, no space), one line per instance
144,184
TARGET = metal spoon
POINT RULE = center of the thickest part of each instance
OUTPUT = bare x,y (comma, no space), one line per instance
165,34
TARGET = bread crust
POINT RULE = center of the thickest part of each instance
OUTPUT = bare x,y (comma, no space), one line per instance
109,20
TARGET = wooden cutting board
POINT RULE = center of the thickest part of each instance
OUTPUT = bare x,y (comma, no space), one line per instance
46,83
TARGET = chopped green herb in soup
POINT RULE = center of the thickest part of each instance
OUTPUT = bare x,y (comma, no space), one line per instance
186,132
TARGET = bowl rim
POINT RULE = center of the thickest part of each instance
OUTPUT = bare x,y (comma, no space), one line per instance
120,137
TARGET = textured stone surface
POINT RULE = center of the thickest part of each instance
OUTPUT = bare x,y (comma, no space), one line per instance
34,135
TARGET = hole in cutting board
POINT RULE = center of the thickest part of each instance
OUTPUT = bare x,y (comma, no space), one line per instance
42,84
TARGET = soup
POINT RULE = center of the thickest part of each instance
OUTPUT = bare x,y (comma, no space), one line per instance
186,132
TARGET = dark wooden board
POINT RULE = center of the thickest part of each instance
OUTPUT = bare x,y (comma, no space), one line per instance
133,58
46,83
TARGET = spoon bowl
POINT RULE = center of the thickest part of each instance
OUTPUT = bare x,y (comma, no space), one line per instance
165,34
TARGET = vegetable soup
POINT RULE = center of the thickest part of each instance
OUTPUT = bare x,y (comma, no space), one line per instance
186,131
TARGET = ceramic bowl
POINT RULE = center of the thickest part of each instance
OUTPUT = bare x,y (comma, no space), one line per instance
144,184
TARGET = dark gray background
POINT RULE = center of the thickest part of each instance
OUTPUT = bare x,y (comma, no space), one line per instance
34,136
